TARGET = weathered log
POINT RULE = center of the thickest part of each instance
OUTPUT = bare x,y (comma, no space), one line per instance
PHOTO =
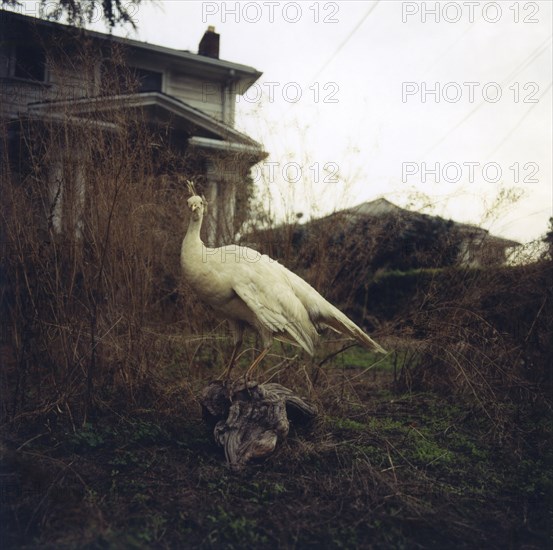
249,422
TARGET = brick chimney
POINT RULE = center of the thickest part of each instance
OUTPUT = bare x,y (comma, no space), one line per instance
209,44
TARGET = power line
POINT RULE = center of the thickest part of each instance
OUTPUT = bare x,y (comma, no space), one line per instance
345,41
451,45
512,130
528,60
338,49
518,69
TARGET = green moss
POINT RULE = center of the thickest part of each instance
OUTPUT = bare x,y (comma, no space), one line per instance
358,357
347,424
426,451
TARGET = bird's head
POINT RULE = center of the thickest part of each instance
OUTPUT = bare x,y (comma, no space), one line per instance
196,203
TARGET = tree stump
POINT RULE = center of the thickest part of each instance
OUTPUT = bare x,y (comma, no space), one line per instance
249,421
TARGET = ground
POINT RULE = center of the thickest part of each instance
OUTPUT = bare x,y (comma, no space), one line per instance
381,467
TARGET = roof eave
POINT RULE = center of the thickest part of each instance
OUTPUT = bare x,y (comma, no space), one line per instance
173,106
253,151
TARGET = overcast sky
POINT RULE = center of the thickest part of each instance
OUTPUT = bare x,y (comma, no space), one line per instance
383,94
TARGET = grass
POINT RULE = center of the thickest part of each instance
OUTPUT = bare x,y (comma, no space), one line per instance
357,357
379,469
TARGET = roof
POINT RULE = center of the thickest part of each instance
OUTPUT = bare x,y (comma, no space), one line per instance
377,207
383,207
218,69
164,107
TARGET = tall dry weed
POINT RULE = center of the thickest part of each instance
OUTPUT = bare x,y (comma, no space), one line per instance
92,219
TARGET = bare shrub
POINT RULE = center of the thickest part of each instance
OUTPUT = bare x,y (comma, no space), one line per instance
91,230
484,335
481,334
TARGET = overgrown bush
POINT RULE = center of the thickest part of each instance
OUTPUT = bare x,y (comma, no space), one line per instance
343,253
481,334
493,323
92,220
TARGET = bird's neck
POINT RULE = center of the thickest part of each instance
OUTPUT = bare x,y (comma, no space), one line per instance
192,241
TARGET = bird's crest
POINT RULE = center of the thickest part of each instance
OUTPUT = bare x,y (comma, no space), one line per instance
194,193
191,187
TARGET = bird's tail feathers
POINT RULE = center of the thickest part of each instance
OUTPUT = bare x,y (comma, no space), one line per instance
296,334
336,320
286,338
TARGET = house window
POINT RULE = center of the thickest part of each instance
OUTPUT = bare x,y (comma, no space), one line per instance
147,81
131,80
30,62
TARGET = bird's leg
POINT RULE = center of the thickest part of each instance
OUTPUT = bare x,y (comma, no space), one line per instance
229,367
254,365
238,332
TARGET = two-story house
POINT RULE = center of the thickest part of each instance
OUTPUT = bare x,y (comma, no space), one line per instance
192,96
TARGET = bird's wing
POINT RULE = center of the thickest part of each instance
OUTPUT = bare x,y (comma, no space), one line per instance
282,302
322,312
263,286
